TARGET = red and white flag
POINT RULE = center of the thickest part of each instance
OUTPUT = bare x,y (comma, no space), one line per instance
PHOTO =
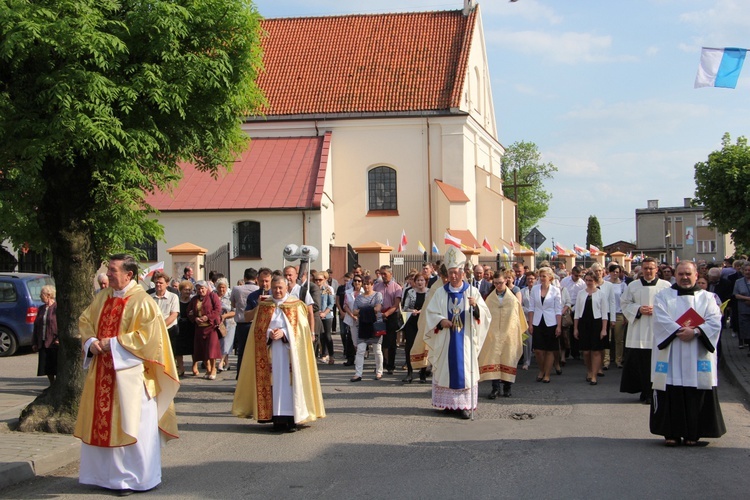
593,249
579,250
403,242
486,245
560,249
149,271
452,240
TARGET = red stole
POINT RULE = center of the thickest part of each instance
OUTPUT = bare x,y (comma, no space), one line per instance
109,327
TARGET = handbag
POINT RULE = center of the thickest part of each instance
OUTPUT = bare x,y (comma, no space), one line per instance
378,328
222,329
567,319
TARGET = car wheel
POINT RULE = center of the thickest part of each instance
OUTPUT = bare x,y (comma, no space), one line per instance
8,343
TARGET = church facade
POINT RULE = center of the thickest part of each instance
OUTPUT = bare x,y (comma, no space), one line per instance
374,125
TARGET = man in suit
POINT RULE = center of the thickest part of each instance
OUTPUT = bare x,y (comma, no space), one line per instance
484,287
520,279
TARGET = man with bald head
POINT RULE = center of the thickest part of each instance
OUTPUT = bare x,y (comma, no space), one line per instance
687,325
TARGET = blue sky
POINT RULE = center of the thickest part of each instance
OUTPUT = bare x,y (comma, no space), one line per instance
605,90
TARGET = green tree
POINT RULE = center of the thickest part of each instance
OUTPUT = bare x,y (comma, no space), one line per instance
723,188
522,166
594,233
100,102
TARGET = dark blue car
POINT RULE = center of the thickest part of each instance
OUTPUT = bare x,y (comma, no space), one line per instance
19,302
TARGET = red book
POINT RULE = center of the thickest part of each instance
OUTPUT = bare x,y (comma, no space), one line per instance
690,318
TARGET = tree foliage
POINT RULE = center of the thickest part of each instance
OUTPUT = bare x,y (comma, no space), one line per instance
524,159
100,102
594,233
723,188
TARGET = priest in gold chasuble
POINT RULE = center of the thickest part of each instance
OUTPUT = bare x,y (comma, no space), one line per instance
278,381
126,410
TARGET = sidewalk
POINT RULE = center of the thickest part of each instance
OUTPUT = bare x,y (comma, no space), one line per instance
25,455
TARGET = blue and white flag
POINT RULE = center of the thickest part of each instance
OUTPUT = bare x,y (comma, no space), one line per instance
720,67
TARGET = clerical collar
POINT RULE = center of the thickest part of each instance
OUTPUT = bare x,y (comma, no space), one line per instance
121,293
281,300
647,283
685,291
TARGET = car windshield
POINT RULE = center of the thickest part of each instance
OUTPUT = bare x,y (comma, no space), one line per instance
35,286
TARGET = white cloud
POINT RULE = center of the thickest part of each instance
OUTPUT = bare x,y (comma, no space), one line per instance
531,10
652,51
723,24
565,48
523,88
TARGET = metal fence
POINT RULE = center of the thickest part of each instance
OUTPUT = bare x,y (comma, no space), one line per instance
401,264
219,261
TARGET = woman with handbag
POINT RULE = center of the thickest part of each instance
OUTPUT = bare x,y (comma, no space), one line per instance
413,303
227,318
205,312
366,314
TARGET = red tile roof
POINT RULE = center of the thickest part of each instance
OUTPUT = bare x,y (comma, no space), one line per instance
366,63
466,237
272,174
452,193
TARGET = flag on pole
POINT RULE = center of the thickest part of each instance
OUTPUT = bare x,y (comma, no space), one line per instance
720,67
593,248
512,246
435,248
486,245
578,250
403,242
421,247
387,242
149,271
497,250
560,249
506,251
452,240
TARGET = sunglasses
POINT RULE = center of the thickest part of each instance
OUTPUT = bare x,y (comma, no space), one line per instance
357,281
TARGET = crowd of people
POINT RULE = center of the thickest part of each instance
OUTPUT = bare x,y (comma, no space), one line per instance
459,325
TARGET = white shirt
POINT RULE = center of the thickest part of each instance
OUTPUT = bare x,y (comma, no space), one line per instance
573,287
168,304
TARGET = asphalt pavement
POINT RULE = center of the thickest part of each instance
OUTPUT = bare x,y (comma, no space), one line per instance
26,455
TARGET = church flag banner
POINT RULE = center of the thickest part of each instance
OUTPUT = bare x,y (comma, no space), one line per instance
149,271
403,242
421,247
486,245
720,67
435,248
452,240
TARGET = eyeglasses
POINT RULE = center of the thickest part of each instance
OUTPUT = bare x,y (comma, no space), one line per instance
357,281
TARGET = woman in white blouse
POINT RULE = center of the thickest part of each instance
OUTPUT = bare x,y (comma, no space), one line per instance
545,316
590,325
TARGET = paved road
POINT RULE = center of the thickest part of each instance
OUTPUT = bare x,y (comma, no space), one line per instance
383,440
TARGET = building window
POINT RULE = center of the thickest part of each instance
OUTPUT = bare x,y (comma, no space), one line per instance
706,246
148,247
381,189
247,239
